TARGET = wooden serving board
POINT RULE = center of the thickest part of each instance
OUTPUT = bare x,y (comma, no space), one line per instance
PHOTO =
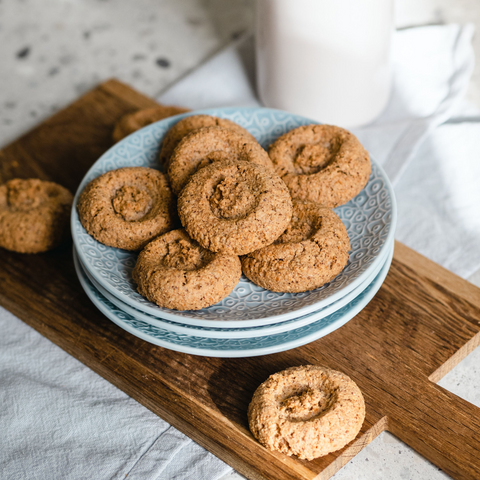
421,323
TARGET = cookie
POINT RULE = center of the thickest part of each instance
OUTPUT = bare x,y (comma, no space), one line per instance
175,272
187,125
321,163
312,251
306,411
34,215
131,122
128,207
235,207
211,144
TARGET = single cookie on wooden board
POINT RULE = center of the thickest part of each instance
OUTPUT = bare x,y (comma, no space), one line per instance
306,411
127,207
34,215
191,123
321,163
312,251
131,122
235,207
175,272
212,144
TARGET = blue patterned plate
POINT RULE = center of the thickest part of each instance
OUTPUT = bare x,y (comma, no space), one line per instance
211,332
370,219
236,347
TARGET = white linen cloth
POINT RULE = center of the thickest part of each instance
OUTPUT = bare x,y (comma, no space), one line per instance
60,420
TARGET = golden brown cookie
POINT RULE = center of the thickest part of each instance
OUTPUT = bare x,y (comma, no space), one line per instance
187,125
34,215
235,207
312,251
211,144
128,207
307,411
174,271
131,122
321,163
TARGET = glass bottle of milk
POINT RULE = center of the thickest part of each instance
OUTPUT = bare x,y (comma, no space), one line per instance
328,60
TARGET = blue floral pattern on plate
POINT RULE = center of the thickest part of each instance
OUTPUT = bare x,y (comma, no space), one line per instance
237,347
370,220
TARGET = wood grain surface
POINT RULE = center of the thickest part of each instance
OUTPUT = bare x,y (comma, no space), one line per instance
421,323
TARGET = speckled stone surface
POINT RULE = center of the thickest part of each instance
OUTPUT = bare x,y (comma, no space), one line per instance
53,51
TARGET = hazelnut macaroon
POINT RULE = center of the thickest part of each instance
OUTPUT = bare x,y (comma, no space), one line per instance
34,215
307,411
131,122
174,271
312,251
321,163
127,207
235,207
191,123
212,144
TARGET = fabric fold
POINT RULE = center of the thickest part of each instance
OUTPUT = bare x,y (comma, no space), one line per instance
418,129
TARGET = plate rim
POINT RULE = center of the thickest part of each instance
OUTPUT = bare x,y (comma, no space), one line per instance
224,332
378,282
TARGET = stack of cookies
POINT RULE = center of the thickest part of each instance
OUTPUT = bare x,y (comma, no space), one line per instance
239,209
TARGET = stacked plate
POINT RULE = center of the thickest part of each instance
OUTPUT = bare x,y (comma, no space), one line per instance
250,321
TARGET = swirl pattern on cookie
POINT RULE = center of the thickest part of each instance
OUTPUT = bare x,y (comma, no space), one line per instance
235,207
191,123
175,272
127,207
306,411
131,122
321,163
312,251
211,144
34,215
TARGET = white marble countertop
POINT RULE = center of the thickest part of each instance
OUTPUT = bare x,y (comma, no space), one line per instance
53,51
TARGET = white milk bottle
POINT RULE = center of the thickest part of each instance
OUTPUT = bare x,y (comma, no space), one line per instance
328,60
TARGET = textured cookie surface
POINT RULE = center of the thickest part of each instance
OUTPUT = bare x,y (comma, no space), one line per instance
131,122
175,272
211,144
128,207
34,215
311,252
321,163
307,411
235,207
187,125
